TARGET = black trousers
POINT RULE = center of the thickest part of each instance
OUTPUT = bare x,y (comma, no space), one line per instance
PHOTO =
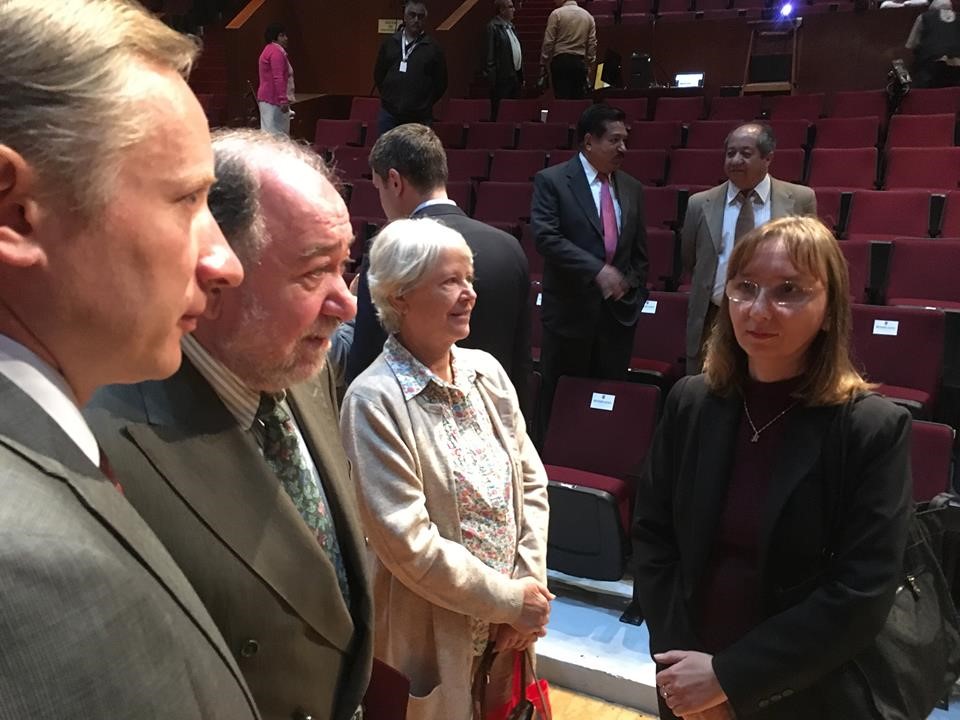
605,355
569,75
504,89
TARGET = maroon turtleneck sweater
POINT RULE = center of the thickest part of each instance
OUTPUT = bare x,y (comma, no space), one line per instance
731,600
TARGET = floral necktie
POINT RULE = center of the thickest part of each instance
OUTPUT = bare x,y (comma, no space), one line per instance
281,450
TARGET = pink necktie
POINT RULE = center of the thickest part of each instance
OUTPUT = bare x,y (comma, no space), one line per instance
608,218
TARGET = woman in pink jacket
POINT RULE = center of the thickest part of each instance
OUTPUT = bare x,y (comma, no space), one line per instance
276,82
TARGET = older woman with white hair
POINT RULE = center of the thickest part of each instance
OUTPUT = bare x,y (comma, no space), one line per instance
452,493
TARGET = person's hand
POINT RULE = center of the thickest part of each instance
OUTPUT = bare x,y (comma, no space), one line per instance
723,711
535,613
284,108
611,283
507,638
688,685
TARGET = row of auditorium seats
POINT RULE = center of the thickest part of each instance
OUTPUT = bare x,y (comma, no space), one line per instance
904,131
635,12
360,128
931,169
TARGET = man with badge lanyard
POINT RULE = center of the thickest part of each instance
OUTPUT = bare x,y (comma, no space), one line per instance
410,73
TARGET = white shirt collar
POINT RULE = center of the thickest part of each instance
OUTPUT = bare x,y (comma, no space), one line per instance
762,189
591,172
434,201
46,387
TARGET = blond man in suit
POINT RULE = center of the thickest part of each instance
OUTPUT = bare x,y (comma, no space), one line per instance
716,218
108,254
236,460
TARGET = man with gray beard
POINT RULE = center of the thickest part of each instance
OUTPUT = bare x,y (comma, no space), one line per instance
236,461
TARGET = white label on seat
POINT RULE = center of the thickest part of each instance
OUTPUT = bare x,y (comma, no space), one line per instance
602,402
650,307
539,299
886,327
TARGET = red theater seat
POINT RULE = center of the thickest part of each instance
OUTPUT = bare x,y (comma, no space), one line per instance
931,102
858,132
517,165
886,214
798,107
710,134
902,349
600,431
850,168
923,273
928,168
744,107
922,130
659,345
931,459
681,109
655,135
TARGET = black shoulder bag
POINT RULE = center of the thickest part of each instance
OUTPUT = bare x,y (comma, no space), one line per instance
914,661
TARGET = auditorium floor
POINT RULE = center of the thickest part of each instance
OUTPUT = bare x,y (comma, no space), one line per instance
569,705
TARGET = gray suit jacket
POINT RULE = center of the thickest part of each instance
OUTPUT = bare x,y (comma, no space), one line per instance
701,240
96,620
202,484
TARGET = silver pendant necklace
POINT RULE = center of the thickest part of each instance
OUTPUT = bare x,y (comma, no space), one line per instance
756,433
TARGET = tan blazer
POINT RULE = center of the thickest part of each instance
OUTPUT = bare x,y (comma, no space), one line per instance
202,484
701,239
427,586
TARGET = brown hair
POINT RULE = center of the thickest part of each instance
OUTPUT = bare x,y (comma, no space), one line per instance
830,377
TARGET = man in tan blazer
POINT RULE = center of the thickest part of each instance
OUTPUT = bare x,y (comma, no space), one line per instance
236,461
717,217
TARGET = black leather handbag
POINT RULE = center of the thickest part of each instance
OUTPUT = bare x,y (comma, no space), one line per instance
915,659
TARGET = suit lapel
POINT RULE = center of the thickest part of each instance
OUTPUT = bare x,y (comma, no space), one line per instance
318,421
781,200
625,198
581,193
719,421
715,204
37,438
220,473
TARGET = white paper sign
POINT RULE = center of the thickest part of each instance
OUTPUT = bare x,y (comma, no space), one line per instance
387,26
650,307
601,401
539,299
886,327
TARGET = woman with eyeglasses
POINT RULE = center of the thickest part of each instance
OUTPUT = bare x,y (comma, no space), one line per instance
772,516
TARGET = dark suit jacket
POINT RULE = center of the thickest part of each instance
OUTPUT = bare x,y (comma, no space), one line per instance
96,620
500,323
498,66
702,238
819,612
202,484
568,234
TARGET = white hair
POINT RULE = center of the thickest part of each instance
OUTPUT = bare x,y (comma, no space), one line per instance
403,253
67,87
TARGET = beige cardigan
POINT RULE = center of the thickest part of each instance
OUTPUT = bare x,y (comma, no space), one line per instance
426,584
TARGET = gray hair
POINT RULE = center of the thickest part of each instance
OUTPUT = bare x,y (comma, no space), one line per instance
239,155
403,253
766,140
68,88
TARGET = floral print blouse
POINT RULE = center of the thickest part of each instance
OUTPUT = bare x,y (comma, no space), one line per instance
481,466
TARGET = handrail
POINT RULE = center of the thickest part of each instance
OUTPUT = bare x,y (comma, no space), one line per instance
241,17
457,15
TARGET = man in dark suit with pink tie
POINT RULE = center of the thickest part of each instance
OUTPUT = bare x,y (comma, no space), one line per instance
587,218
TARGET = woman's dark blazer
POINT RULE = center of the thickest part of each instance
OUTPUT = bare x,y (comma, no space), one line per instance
830,554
